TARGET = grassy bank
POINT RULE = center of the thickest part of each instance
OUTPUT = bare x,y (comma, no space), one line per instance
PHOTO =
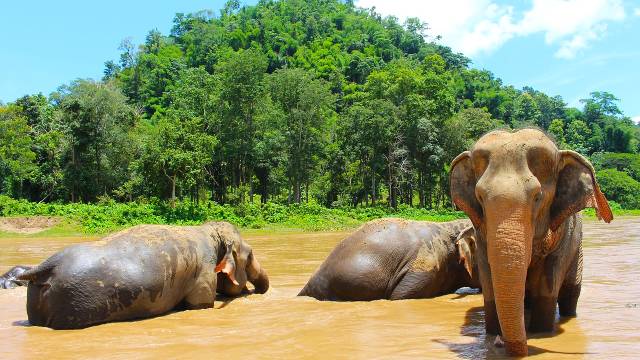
105,217
109,216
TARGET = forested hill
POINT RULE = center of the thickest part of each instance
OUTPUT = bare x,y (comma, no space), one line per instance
286,101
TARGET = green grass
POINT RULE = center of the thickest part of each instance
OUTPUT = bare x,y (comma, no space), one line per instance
615,208
110,216
79,219
65,228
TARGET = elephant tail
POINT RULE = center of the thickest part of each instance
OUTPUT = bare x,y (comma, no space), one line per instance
42,272
315,289
304,291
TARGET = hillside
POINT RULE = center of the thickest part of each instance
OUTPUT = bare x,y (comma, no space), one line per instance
286,101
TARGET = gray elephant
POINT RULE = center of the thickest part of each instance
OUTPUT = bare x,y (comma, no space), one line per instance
141,272
395,259
522,195
9,279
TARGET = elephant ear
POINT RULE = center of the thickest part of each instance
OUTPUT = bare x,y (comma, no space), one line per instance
462,182
228,264
577,189
466,243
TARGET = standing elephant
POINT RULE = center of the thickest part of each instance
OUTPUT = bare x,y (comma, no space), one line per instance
9,279
393,259
141,272
522,195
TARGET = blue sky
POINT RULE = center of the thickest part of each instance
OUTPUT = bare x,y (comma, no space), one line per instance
561,47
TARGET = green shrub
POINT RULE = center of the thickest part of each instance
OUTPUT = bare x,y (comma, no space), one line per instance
618,186
629,163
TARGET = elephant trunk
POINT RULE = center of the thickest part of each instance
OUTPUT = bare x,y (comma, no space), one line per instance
258,276
261,283
509,237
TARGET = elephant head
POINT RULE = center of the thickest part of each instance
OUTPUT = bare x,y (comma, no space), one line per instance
518,189
238,265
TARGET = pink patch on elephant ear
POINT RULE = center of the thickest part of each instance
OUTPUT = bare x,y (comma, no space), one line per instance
228,268
602,206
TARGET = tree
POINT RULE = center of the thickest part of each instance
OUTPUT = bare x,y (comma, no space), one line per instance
307,105
526,110
600,105
181,149
368,133
16,157
556,129
96,118
242,96
577,134
472,123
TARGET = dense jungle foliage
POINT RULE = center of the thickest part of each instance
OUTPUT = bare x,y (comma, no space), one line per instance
284,102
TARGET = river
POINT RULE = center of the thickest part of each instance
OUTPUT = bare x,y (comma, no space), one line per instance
279,325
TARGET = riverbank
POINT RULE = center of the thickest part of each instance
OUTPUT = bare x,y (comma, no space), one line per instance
102,218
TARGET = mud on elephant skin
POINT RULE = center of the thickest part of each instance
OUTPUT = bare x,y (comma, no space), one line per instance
9,279
394,259
140,272
522,195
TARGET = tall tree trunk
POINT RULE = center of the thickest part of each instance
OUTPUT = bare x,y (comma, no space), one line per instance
173,191
429,197
392,190
421,189
75,167
250,189
297,190
373,190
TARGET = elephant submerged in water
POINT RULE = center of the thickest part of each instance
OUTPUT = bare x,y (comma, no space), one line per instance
522,195
396,259
141,272
9,279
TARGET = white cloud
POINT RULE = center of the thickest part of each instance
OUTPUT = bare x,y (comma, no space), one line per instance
471,26
636,119
636,11
477,26
571,23
569,48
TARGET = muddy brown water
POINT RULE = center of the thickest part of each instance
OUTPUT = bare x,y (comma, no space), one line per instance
280,325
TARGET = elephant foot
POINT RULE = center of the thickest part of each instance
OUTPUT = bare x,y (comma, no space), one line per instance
491,323
512,348
543,314
516,348
568,300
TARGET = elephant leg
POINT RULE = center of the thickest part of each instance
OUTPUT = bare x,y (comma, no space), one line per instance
543,291
415,285
568,300
491,321
202,295
570,290
543,313
200,298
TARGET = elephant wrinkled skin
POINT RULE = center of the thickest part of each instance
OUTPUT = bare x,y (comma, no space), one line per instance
522,195
140,272
394,259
